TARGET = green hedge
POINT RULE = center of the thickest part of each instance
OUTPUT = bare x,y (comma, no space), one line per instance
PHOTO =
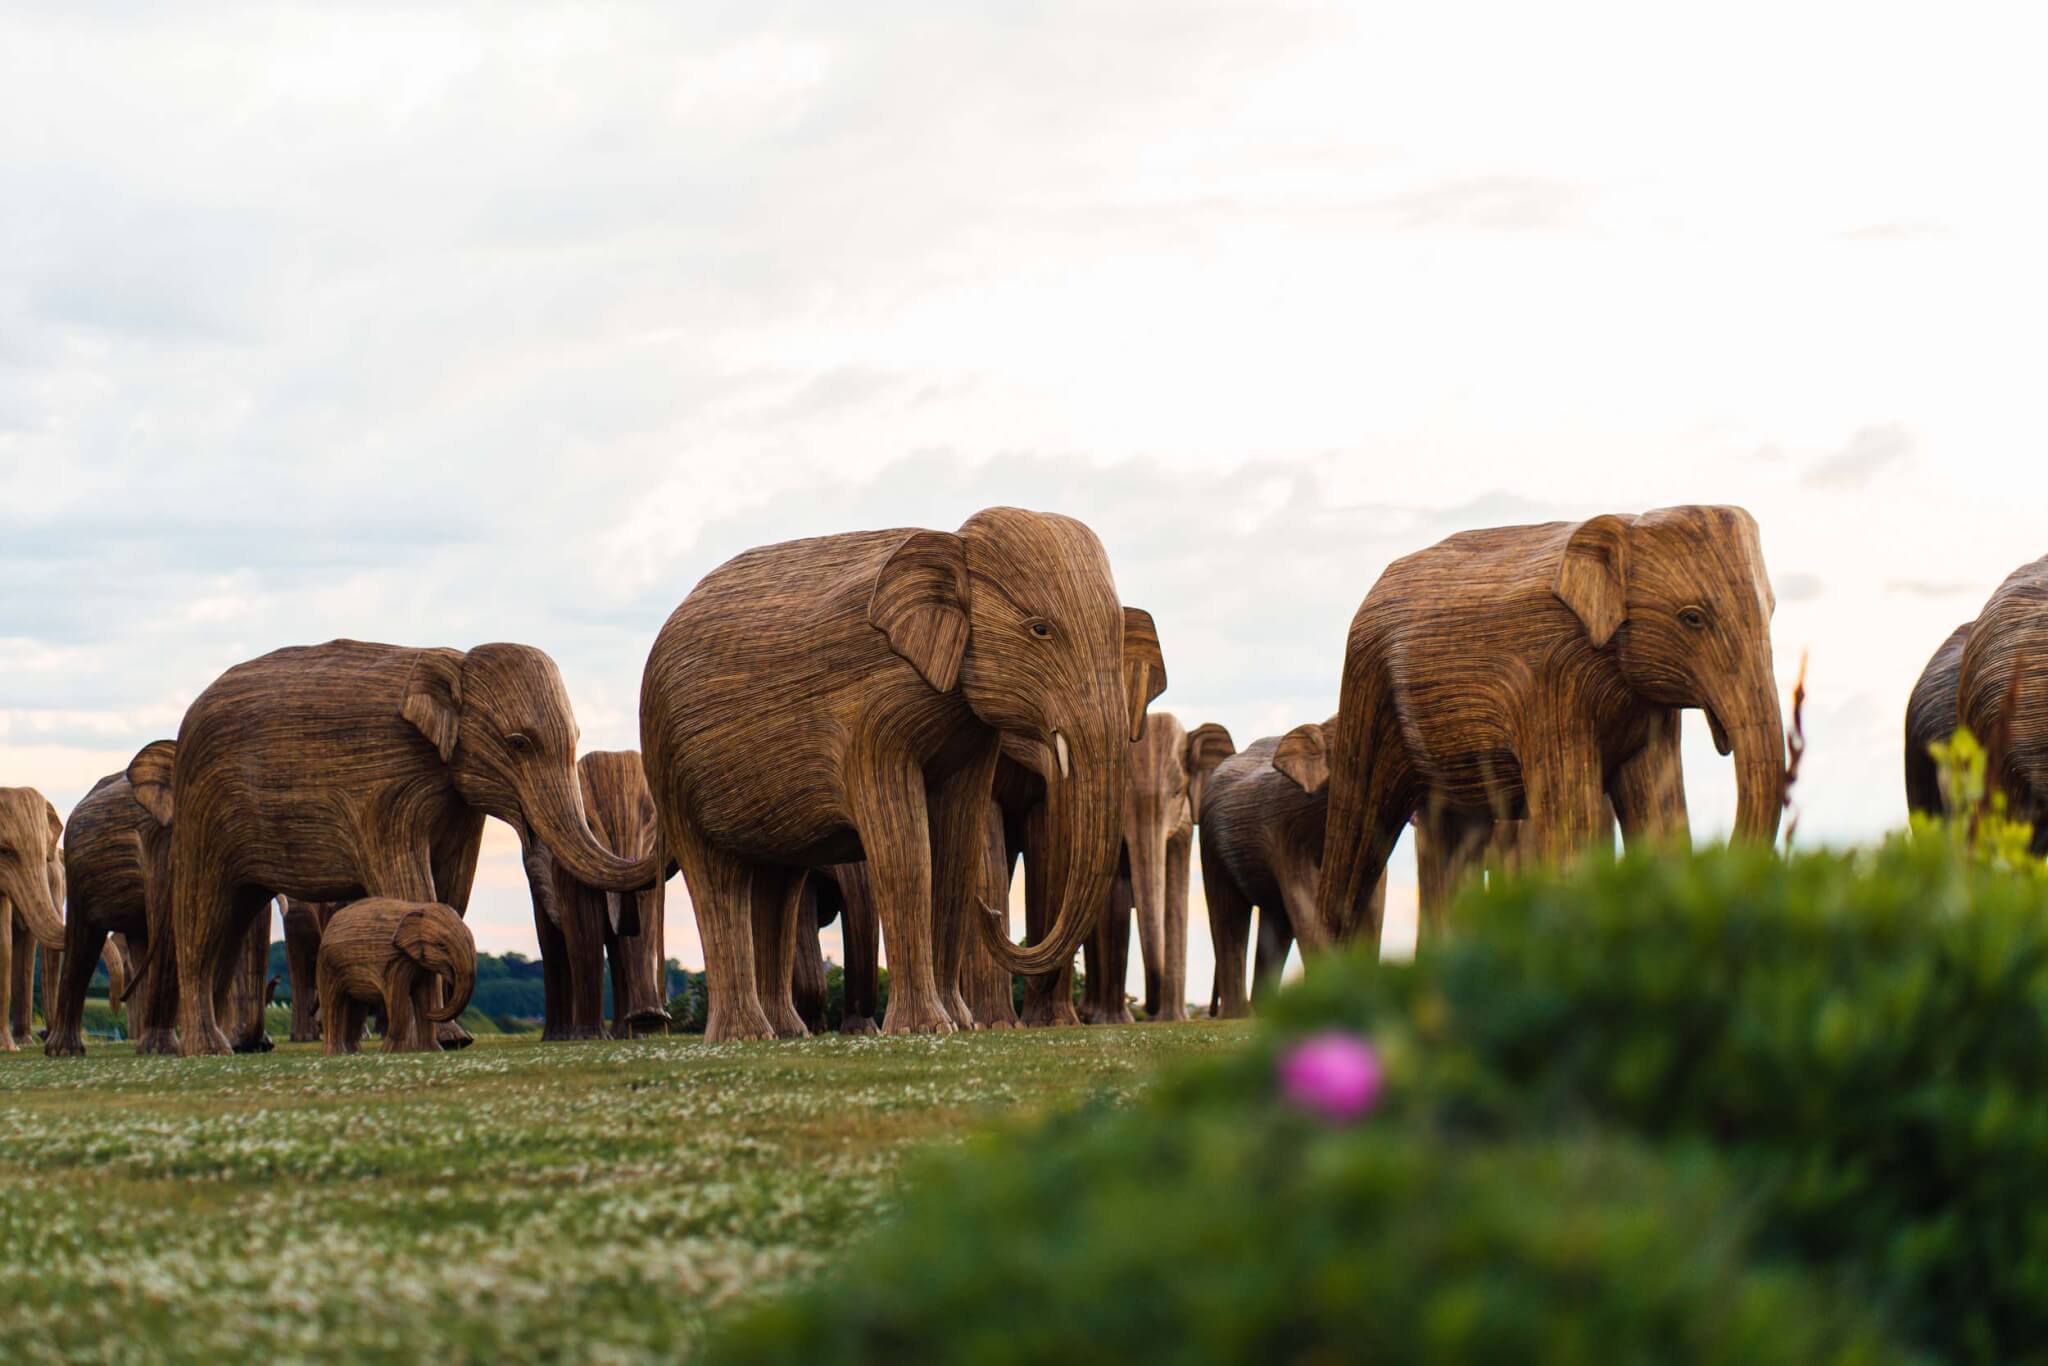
1724,1108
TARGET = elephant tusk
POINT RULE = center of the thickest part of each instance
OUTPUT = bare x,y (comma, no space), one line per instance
1059,747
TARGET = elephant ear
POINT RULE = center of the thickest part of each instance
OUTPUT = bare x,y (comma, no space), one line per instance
432,701
1592,579
920,604
1303,755
1207,746
415,932
149,774
56,830
1144,666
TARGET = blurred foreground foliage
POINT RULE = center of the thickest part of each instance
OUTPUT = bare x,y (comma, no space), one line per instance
1724,1107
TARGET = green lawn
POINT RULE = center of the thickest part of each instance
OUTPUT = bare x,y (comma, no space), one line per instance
516,1201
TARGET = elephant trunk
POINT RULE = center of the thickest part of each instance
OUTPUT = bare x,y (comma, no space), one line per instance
461,977
1758,741
38,900
556,816
1084,799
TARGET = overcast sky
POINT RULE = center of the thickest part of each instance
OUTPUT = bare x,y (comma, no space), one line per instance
441,325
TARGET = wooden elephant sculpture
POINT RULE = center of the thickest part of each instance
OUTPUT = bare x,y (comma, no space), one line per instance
581,928
1981,677
1526,673
840,698
1262,815
31,902
1162,800
839,893
393,955
348,770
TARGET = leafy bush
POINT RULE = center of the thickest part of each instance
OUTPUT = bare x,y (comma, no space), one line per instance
1728,1107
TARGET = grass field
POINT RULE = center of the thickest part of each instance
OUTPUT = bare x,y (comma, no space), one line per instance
512,1202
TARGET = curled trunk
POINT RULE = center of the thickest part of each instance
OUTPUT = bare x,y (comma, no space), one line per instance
461,983
1084,829
556,819
39,901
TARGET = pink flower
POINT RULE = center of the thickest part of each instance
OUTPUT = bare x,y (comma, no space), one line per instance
1334,1075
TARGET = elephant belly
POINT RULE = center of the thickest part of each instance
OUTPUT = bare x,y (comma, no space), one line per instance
1488,782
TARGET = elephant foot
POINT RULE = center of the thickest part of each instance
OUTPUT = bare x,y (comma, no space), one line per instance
1171,1015
1099,1016
63,1046
958,1011
156,1043
450,1034
859,1024
787,1024
300,1036
908,1015
1002,1022
725,1024
262,1043
1057,1017
7,1043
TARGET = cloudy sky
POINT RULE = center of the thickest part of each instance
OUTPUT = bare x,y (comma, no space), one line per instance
447,324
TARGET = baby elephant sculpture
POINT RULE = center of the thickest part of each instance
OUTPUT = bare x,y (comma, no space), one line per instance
386,952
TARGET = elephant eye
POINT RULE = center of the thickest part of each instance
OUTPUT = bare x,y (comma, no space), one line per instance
1693,618
520,743
1041,628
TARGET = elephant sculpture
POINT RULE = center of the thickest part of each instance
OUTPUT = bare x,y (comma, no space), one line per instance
348,770
1019,794
117,858
1523,673
1162,797
840,698
840,892
31,901
304,923
587,926
1262,815
393,954
1982,677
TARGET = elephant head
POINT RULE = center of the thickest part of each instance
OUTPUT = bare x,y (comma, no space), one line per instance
1019,613
31,865
500,719
1207,746
436,939
1681,598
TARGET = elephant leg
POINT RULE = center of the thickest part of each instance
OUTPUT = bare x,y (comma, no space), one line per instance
159,991
960,813
207,936
22,1007
1173,967
1048,997
301,956
585,916
1230,925
554,975
774,900
1276,941
83,943
807,971
1568,810
1450,850
238,998
1109,957
49,968
341,1023
1648,790
861,930
888,801
721,893
7,1043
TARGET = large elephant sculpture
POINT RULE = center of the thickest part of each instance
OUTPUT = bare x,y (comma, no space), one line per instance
1983,677
840,698
1522,673
348,770
117,860
31,901
1162,797
581,927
